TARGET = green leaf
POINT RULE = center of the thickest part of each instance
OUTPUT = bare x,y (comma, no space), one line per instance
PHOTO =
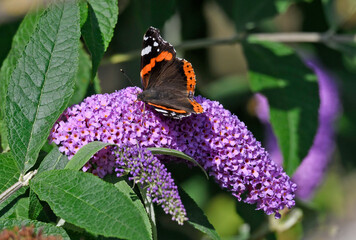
127,190
19,210
99,28
82,79
53,160
83,10
4,147
35,207
292,92
175,153
244,12
197,217
45,228
42,81
19,43
84,154
90,203
9,172
9,205
96,83
9,175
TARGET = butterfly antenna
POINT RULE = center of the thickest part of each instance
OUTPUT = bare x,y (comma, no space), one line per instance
128,78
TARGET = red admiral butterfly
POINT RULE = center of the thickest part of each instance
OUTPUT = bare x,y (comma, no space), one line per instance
168,82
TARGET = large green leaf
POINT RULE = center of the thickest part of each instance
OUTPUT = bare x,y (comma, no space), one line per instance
99,28
292,91
90,203
45,228
42,81
127,190
19,43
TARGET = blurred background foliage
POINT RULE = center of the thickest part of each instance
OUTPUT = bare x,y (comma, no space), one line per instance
222,75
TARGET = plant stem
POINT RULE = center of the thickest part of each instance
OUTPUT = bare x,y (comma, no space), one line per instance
291,37
23,181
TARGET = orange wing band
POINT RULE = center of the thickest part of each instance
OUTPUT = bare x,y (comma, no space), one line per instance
165,55
196,106
169,109
189,73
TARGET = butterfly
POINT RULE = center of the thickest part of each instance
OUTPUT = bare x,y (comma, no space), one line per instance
168,81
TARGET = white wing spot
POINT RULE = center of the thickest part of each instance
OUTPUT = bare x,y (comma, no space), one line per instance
161,110
157,49
155,44
146,50
145,38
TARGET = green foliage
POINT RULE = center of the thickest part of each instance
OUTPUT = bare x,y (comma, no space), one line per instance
292,92
9,172
35,99
9,175
84,154
98,28
53,160
19,42
83,199
127,190
50,60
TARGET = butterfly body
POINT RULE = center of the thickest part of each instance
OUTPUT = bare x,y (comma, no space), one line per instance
168,82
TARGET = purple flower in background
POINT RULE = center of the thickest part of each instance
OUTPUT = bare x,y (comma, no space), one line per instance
217,139
310,173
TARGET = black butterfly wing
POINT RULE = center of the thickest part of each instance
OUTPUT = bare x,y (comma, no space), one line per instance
169,82
155,54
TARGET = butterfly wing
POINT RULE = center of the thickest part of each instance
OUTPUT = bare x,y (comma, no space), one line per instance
156,54
168,82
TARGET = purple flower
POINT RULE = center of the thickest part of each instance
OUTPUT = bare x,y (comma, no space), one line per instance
217,139
310,173
146,170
